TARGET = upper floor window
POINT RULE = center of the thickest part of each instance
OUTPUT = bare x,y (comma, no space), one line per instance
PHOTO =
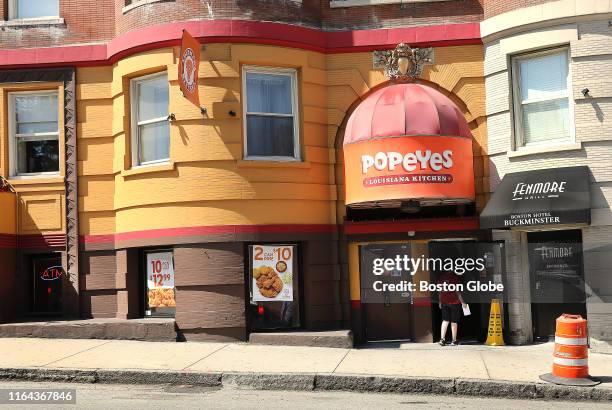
271,125
34,133
351,3
542,103
150,121
33,9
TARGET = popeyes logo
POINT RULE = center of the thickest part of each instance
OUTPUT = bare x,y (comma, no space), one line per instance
400,168
409,162
189,70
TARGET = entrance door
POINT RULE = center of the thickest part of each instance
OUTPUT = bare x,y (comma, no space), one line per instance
47,279
388,315
557,278
471,328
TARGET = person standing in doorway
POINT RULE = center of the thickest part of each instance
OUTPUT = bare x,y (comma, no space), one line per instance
451,304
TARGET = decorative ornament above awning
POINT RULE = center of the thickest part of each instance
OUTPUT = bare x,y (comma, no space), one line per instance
403,63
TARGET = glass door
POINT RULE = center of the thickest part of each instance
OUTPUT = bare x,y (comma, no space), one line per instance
47,278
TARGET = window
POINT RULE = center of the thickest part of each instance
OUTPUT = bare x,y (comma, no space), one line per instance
351,3
270,105
34,130
150,122
33,9
542,103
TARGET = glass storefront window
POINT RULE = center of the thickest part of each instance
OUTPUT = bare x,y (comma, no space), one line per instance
274,301
160,292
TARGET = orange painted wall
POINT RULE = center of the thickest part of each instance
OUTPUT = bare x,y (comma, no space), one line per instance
8,222
207,182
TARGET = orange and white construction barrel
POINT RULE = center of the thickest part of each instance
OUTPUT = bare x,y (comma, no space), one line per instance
571,355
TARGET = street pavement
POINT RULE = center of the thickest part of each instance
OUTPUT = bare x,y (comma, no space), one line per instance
151,397
512,363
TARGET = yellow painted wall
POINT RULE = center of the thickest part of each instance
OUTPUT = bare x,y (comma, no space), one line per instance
457,72
8,221
40,201
207,182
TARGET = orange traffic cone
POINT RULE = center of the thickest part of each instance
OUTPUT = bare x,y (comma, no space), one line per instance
570,360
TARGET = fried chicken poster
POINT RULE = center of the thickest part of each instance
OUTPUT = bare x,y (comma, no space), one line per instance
272,272
160,280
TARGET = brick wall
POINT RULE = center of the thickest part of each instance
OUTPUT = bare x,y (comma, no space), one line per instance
313,13
288,11
405,14
495,7
86,21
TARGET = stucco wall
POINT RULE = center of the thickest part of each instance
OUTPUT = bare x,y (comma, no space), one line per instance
207,182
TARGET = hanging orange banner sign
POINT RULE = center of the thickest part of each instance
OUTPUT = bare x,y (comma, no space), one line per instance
429,167
189,65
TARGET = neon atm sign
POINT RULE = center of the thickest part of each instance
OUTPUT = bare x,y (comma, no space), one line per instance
52,273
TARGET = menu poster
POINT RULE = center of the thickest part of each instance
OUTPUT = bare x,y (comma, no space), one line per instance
556,259
160,280
272,273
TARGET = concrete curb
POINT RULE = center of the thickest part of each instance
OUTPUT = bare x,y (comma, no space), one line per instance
320,382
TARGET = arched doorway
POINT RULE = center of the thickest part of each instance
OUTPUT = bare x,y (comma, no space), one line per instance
409,194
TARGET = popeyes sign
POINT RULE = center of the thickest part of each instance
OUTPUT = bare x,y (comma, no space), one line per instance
418,167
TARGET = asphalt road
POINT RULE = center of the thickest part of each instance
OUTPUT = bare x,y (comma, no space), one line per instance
97,396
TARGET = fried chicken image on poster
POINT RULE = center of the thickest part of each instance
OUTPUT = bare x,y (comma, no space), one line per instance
272,278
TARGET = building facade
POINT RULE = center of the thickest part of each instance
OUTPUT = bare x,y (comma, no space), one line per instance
568,43
152,207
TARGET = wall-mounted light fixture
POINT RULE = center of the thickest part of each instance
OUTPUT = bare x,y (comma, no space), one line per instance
585,92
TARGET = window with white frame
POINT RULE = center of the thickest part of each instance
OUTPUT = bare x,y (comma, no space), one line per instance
150,121
34,133
271,126
33,9
542,103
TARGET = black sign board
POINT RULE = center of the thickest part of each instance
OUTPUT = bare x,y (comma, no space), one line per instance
542,197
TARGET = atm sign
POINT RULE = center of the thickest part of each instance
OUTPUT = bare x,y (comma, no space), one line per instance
52,273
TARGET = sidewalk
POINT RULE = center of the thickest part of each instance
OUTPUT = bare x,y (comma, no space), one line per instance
519,364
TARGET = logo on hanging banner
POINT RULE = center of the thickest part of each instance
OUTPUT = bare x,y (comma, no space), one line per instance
189,65
189,73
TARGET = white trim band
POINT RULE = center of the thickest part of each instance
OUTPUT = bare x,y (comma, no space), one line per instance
570,362
571,341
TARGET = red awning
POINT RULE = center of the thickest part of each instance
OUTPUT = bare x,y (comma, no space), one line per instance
405,109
